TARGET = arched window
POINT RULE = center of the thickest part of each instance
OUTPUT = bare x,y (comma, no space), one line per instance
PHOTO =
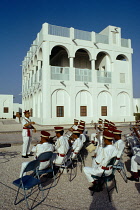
59,57
81,59
121,58
102,62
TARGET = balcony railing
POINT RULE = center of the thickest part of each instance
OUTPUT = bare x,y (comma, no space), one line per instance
84,75
124,43
59,73
58,30
101,38
83,35
104,76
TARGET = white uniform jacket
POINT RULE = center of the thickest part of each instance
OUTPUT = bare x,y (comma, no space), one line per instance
82,137
77,145
62,145
25,133
119,144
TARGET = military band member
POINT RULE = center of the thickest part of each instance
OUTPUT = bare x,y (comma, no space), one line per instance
82,136
101,161
118,143
77,145
135,162
27,133
74,126
61,146
43,146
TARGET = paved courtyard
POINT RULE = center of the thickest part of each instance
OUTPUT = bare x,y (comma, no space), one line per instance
66,195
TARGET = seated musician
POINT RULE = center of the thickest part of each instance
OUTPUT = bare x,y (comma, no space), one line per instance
43,146
101,161
77,145
75,126
118,143
61,146
82,136
135,162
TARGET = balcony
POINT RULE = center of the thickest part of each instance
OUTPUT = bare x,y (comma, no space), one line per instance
59,73
84,75
104,76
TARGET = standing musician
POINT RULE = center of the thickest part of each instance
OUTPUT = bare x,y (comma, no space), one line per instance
27,134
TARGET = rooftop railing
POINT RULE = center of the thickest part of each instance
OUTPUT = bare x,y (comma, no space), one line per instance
58,31
124,42
59,73
84,75
101,38
104,76
83,35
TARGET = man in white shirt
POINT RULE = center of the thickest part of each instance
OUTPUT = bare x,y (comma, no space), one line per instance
118,143
77,145
27,133
42,146
61,146
101,161
82,136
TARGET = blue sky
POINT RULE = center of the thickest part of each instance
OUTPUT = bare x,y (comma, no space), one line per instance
21,20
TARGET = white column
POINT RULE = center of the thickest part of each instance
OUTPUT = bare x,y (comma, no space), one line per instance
72,69
46,91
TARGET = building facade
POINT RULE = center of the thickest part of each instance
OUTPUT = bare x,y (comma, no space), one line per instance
136,105
6,106
69,73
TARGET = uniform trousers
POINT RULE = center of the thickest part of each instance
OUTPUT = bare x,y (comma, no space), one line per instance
135,162
57,160
96,171
26,145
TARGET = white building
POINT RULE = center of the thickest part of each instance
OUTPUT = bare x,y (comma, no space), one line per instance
6,106
69,73
136,104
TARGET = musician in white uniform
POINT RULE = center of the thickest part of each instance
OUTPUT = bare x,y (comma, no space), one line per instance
118,143
82,136
77,145
135,166
43,146
27,133
61,146
101,161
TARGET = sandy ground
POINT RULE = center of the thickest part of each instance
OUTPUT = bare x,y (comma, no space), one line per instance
66,195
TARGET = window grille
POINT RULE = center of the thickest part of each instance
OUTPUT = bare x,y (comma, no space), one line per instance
60,111
83,110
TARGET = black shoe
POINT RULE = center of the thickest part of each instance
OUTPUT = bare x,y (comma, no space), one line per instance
133,179
30,155
24,156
